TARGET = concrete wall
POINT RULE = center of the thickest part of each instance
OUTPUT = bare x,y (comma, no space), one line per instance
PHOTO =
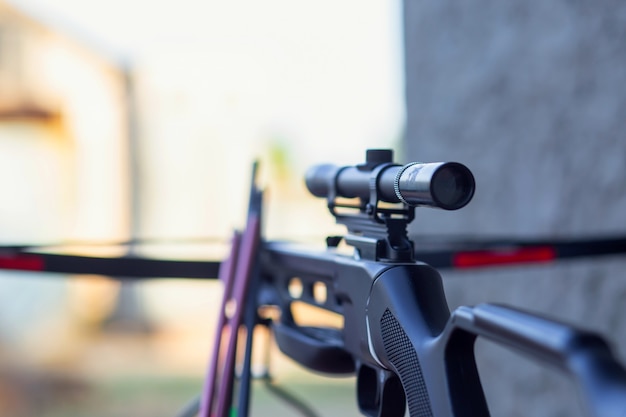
530,95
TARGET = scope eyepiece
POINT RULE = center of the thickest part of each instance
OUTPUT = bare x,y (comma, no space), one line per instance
445,185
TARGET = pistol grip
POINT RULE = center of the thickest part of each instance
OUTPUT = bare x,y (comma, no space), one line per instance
406,310
402,355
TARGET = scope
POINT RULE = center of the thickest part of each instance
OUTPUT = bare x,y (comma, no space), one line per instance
444,185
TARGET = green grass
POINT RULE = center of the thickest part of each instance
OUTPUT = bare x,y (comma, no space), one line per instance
153,396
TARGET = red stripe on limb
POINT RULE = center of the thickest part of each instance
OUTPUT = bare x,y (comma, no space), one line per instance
502,257
22,262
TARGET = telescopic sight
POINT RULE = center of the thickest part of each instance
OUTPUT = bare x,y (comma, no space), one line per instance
444,185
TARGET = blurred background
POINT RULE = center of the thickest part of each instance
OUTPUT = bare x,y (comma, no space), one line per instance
132,119
530,95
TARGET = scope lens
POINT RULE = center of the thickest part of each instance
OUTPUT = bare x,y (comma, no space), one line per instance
452,186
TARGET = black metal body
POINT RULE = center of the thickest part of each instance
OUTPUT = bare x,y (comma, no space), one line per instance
401,340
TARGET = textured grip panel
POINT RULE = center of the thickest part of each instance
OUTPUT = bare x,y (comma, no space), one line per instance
402,355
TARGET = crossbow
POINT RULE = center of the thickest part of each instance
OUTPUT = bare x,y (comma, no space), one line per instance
406,348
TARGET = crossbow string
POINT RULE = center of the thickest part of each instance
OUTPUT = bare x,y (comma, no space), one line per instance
439,253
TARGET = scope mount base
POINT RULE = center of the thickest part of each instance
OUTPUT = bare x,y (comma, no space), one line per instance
384,239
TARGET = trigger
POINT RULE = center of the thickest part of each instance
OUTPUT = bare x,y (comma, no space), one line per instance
317,348
380,393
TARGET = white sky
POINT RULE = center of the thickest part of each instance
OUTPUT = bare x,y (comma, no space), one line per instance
323,71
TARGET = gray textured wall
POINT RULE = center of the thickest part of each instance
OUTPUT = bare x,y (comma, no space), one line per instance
532,97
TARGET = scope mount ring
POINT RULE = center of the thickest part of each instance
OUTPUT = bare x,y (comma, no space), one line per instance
372,208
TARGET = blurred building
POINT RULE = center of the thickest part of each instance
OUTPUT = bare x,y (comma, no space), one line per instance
530,96
63,134
64,146
201,105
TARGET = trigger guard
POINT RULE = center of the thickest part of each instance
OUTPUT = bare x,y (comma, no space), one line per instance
317,348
